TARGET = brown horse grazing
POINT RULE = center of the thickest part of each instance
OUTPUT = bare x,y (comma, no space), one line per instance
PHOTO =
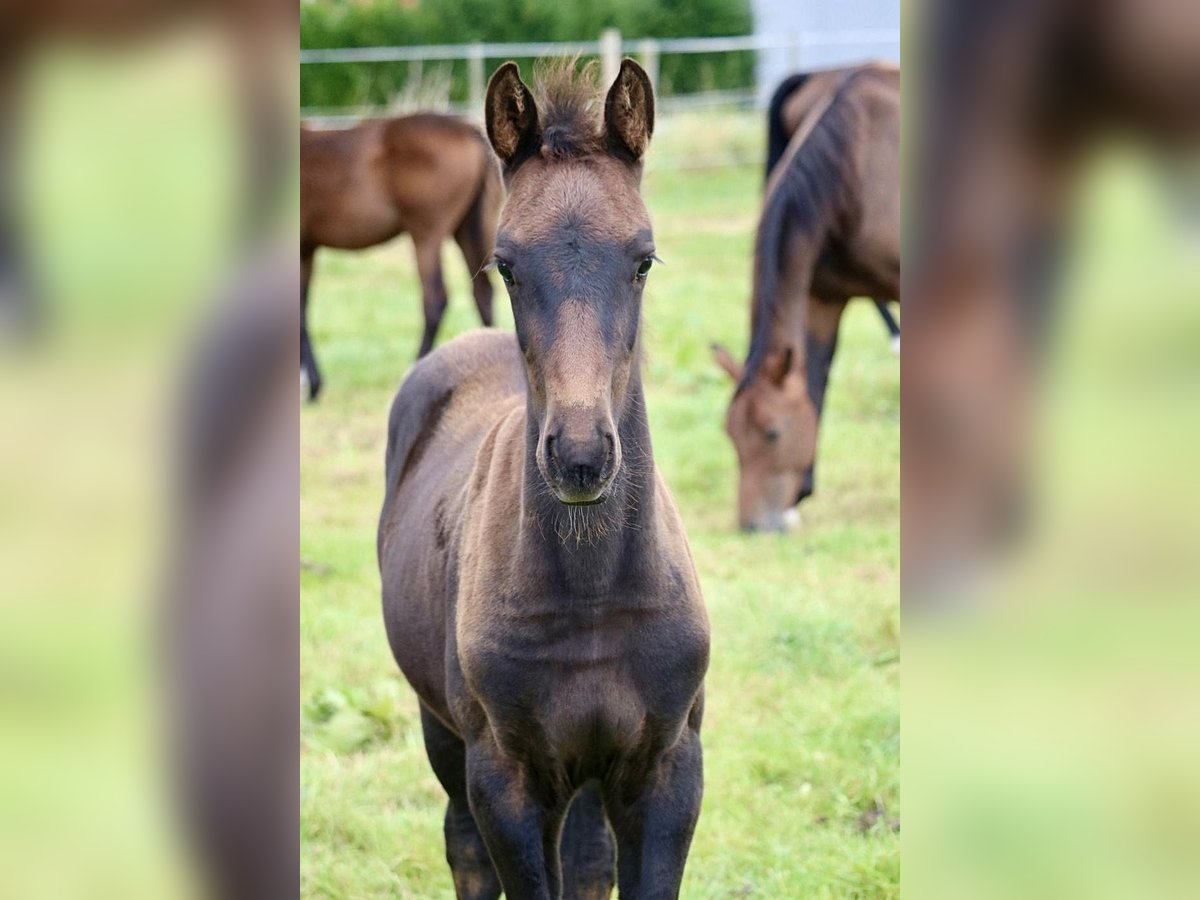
429,175
538,590
829,231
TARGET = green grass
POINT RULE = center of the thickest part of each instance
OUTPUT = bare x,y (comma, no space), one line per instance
802,726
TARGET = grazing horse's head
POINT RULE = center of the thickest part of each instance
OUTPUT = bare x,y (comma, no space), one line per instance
574,248
773,425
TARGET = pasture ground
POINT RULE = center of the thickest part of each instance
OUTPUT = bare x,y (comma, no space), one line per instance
802,730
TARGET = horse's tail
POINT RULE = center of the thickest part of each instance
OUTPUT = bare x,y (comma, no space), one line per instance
777,136
482,216
811,180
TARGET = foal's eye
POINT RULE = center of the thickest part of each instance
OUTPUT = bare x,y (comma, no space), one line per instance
505,271
644,269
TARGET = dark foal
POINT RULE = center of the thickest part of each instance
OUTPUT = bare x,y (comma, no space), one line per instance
538,589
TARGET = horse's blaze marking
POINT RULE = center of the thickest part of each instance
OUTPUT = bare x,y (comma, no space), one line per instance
578,363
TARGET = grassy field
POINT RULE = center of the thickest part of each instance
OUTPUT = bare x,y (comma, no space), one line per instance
802,729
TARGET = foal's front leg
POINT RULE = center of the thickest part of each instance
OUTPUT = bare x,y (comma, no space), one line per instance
521,835
654,831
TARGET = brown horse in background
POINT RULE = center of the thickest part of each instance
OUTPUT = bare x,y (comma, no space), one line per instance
829,231
432,176
538,590
792,100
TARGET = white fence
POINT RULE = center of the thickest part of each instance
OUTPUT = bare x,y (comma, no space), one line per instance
610,47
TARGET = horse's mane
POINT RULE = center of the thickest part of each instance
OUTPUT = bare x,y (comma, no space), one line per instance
802,200
567,97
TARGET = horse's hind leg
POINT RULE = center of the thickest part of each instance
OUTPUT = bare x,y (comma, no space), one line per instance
433,287
474,875
890,323
589,855
476,256
308,359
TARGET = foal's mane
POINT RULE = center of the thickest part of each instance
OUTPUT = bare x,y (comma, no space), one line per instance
568,102
803,200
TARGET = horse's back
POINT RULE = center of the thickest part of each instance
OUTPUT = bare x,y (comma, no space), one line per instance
435,167
808,91
876,240
364,185
341,202
846,143
804,96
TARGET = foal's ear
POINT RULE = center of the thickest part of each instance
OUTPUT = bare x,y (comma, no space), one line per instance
512,118
629,112
726,361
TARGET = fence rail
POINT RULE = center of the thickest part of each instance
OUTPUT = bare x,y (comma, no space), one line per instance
451,52
609,47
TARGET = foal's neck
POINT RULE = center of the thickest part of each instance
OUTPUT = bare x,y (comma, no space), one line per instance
590,547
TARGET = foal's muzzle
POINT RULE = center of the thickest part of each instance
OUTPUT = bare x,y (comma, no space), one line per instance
580,470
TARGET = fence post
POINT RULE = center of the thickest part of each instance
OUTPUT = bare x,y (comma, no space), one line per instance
610,55
475,77
793,53
648,51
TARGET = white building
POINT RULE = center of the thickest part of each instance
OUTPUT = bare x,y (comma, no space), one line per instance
823,33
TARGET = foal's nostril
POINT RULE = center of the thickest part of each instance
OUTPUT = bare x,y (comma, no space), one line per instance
579,462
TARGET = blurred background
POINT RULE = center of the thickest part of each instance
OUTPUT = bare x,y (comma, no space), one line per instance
1051,356
147,221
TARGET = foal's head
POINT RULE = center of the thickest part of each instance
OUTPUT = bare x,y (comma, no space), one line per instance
574,248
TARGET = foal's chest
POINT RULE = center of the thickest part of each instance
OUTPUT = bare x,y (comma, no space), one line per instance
590,682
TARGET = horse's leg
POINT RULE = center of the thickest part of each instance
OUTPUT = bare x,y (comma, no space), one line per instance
474,875
308,359
821,337
476,255
520,833
433,289
589,856
654,832
890,322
